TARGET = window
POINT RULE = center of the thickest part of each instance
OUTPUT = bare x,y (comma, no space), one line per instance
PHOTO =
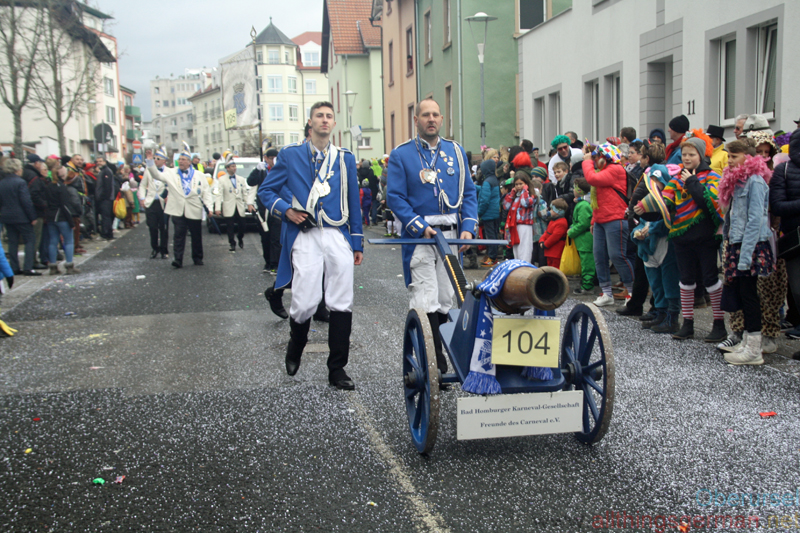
538,122
311,59
174,122
276,112
338,98
128,100
594,100
391,132
172,89
448,109
108,86
294,137
364,142
446,11
293,113
409,51
411,121
616,104
273,56
767,69
275,84
158,103
554,114
291,84
311,86
391,62
428,34
259,84
111,114
277,139
727,80
157,90
286,57
260,57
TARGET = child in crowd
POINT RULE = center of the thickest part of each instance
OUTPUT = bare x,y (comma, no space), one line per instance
519,222
505,188
692,196
540,218
366,201
564,189
555,237
744,192
580,233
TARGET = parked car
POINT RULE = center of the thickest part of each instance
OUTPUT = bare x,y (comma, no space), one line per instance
244,166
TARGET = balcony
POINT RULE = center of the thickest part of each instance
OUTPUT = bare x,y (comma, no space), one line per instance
133,111
133,135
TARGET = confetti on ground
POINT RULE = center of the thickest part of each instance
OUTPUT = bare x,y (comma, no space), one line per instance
768,414
140,277
119,479
28,450
99,481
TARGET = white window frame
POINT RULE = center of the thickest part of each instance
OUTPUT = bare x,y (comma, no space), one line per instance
723,59
767,41
278,138
616,103
108,86
312,86
364,143
427,20
594,110
308,59
291,84
294,138
111,114
273,59
294,117
276,112
272,86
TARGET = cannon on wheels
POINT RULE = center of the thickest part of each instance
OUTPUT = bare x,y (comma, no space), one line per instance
580,381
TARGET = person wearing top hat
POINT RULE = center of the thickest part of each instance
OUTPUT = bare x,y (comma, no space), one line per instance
231,196
189,194
270,243
719,158
153,194
429,191
322,233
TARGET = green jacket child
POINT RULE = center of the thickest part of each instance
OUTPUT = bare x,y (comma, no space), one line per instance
580,233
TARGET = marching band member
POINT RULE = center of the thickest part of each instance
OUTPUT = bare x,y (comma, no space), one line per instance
153,194
321,234
430,190
230,197
189,195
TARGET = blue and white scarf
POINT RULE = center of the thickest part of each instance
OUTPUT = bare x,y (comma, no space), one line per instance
481,378
186,181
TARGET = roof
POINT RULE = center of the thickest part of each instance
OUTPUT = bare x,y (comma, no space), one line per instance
201,92
95,12
125,89
346,23
313,36
272,35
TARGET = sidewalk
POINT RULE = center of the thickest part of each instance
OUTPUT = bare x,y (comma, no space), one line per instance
25,286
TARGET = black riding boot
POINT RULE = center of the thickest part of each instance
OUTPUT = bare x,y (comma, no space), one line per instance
298,337
436,319
341,323
275,298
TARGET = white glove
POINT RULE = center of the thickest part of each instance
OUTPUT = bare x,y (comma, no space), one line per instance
261,165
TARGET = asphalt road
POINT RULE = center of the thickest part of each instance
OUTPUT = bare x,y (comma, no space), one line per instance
176,382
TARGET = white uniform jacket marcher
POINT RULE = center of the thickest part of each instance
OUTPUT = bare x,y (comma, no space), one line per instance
230,198
150,189
182,204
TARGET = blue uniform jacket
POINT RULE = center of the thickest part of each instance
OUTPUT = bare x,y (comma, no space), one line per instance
294,172
411,200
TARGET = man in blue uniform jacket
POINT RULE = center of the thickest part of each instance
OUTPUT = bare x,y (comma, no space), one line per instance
321,234
429,189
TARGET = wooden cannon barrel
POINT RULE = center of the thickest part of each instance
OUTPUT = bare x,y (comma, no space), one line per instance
544,288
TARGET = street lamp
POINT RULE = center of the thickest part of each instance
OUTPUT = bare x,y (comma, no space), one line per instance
478,18
350,106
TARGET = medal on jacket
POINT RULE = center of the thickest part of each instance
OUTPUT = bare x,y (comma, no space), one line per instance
323,188
428,172
427,175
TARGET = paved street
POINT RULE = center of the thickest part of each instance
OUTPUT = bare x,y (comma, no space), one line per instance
176,382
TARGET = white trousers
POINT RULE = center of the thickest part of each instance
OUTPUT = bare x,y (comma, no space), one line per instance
524,249
315,252
430,286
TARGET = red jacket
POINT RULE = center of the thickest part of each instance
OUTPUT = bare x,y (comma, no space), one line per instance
609,183
555,237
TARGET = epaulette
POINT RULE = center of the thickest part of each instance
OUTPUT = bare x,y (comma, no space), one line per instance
403,143
292,145
343,149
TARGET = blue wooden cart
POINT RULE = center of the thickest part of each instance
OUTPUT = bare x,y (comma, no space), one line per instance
586,356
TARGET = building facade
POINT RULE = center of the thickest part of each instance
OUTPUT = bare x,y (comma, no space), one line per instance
171,95
171,130
708,61
351,57
131,120
210,132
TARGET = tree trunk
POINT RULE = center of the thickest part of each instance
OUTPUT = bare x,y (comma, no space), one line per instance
17,114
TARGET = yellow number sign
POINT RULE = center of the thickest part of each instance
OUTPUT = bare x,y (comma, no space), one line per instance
230,119
526,341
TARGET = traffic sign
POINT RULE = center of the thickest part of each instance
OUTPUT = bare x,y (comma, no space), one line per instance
136,159
137,145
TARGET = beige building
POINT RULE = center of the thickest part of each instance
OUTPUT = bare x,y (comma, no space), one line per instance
171,95
210,130
399,72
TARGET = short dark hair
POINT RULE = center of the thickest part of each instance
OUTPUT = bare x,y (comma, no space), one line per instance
628,132
572,134
637,145
656,153
582,184
307,130
317,105
562,165
743,145
418,107
526,145
559,203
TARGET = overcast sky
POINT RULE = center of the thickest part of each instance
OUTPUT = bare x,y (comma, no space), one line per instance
159,37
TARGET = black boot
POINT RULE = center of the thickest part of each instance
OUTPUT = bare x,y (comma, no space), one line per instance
627,310
322,314
298,337
341,323
718,332
648,316
435,320
668,325
686,331
275,299
658,319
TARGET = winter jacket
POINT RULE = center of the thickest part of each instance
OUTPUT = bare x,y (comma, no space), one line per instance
16,206
106,185
610,183
366,199
37,187
489,199
719,159
564,190
555,237
369,175
5,268
784,188
648,246
693,202
748,220
581,226
58,197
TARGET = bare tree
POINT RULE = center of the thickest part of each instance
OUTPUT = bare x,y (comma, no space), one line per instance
20,38
66,72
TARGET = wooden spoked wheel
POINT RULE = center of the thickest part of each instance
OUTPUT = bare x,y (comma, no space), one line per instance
420,381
